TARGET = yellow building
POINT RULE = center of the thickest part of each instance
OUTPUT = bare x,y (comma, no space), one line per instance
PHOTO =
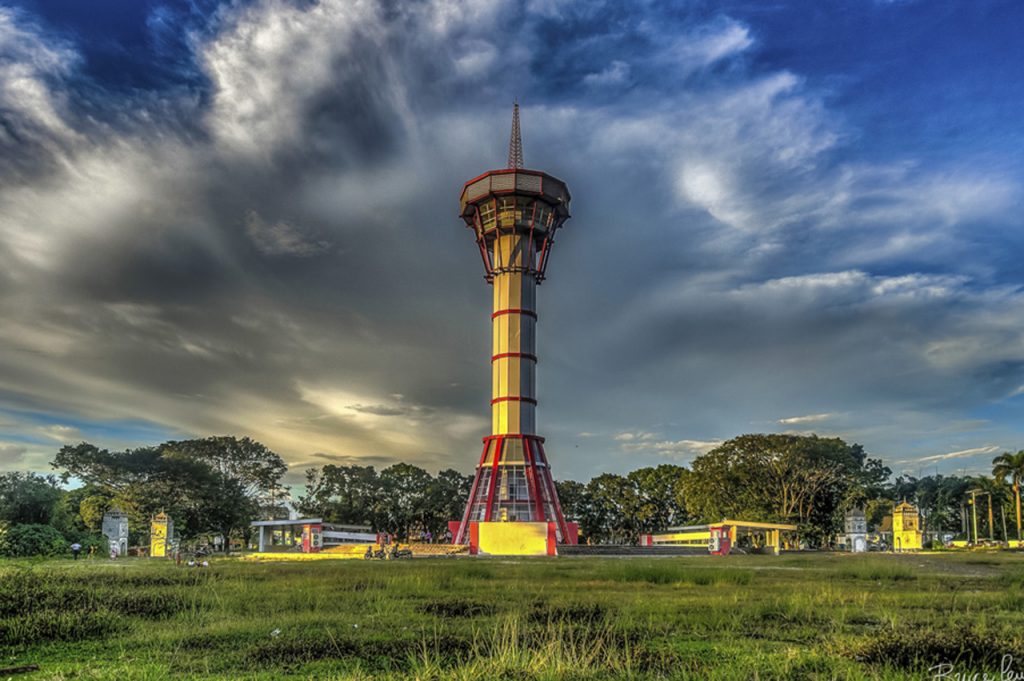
906,528
160,535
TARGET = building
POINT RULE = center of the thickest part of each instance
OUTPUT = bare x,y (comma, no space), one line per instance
720,538
856,527
161,536
308,535
115,529
906,528
514,214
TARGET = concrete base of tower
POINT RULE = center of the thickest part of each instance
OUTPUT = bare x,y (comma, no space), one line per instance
513,539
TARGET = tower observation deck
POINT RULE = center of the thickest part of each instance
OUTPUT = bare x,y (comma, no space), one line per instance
514,214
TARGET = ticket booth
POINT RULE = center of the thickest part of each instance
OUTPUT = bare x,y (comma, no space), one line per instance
312,538
720,541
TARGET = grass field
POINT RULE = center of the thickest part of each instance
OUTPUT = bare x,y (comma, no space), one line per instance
742,617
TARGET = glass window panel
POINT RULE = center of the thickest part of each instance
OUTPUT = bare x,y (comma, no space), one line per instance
486,215
549,218
513,450
543,218
524,211
506,212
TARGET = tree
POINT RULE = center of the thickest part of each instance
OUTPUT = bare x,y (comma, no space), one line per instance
785,478
32,539
249,468
611,499
398,500
340,494
1008,465
91,510
401,499
79,513
659,497
938,497
445,500
27,498
572,497
994,493
248,480
203,485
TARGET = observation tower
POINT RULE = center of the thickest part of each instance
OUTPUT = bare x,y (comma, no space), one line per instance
514,214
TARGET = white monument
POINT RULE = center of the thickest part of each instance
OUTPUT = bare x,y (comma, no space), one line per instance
856,530
115,529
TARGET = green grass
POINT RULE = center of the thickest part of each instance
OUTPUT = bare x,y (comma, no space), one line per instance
815,616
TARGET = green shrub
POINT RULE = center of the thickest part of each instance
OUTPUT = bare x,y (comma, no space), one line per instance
31,540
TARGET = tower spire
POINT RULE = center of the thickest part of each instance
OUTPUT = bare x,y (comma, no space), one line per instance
515,141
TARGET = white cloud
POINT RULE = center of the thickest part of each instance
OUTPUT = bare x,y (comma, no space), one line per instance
275,57
628,436
676,449
809,418
281,238
646,441
448,17
707,186
100,192
477,58
711,43
396,426
11,454
616,73
62,434
961,454
31,107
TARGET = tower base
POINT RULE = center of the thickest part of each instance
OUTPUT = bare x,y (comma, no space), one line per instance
513,483
512,539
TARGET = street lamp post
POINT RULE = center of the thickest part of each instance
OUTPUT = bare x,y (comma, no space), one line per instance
991,522
974,514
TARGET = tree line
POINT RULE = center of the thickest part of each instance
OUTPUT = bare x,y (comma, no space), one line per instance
218,485
209,486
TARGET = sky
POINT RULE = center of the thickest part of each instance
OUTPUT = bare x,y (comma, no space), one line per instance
242,218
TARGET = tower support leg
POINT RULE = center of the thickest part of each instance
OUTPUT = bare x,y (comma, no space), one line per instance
498,484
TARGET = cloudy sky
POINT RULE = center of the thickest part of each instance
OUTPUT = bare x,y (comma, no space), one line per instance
241,218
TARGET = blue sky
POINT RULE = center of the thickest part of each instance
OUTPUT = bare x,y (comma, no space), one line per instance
241,218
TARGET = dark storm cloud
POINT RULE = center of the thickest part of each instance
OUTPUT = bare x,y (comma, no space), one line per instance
261,237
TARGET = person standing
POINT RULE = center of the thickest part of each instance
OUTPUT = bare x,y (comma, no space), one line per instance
76,548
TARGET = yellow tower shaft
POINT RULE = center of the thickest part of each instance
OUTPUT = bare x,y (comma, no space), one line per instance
513,332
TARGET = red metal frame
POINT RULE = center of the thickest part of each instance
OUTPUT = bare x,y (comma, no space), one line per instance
460,535
538,257
531,480
545,248
514,398
559,518
539,482
524,355
513,310
494,477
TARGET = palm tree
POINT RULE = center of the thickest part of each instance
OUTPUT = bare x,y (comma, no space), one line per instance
1008,465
